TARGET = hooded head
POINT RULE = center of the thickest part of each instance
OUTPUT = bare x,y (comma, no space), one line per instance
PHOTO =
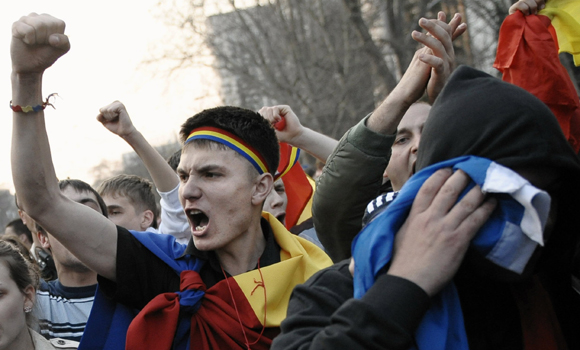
477,114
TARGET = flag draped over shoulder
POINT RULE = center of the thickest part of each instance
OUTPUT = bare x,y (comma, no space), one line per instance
253,300
527,56
508,239
299,189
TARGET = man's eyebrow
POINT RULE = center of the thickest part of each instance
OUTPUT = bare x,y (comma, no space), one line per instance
114,206
403,130
209,167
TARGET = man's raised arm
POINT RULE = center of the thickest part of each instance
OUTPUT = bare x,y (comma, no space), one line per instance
37,42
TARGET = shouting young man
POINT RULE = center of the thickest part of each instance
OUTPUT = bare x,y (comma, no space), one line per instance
229,287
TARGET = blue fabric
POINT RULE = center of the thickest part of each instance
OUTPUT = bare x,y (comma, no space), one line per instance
108,323
442,326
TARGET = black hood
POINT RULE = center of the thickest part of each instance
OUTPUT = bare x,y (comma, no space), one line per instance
477,114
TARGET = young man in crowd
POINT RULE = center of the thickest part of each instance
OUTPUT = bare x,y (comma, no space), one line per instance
130,202
65,303
496,306
19,230
240,264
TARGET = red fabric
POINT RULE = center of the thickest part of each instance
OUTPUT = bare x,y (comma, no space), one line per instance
214,326
527,56
298,188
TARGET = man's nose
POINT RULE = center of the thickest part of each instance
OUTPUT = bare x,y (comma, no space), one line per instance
415,144
190,189
276,199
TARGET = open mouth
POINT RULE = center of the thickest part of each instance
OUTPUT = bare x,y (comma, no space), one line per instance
198,220
281,217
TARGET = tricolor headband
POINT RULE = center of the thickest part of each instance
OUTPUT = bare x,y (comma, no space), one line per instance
233,142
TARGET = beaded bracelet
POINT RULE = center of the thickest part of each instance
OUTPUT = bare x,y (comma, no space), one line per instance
28,109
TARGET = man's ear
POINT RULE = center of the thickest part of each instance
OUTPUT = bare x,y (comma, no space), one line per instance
262,188
146,219
43,239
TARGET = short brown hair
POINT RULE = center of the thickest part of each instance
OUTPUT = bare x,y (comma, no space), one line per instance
138,190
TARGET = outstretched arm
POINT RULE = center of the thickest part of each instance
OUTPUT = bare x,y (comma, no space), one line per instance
353,174
294,133
37,42
428,71
115,118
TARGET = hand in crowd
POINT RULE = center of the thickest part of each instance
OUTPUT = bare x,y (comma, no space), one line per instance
293,129
441,55
115,118
528,7
431,244
37,42
434,62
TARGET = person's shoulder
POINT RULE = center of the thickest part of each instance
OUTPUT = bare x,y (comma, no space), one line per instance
337,274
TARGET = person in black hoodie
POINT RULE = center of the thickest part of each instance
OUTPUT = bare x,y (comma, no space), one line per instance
479,115
475,114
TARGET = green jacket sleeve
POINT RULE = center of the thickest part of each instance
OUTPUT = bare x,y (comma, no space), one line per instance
351,178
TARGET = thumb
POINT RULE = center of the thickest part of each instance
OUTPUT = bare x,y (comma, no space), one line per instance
59,41
101,118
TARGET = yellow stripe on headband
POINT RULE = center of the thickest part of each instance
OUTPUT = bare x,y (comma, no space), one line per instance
231,141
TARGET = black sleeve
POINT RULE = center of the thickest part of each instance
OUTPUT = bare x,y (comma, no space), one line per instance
323,315
141,275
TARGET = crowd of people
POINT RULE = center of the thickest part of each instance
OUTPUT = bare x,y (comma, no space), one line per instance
448,224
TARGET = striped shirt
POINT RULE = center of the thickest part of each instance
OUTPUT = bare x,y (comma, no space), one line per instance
63,311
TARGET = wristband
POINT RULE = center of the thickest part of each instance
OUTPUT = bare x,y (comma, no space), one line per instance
28,109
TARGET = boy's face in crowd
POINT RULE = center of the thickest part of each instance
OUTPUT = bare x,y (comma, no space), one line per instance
60,254
404,151
216,192
123,213
277,201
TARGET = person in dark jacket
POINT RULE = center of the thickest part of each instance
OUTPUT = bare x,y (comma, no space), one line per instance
479,115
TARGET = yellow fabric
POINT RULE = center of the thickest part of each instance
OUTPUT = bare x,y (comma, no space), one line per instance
307,212
565,16
300,259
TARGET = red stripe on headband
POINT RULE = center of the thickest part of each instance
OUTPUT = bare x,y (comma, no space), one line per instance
229,134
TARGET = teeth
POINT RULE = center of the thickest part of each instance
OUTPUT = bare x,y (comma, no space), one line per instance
194,212
200,228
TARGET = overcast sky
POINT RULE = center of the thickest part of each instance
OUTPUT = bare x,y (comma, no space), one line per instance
109,40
